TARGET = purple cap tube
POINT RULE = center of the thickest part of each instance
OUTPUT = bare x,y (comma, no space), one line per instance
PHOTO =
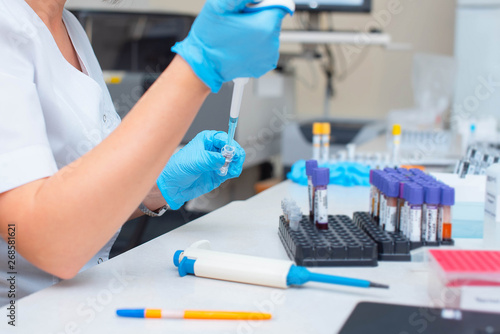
321,176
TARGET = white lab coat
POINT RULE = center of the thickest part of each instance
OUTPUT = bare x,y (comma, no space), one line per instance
50,115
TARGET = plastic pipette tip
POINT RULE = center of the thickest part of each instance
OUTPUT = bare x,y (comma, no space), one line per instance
377,285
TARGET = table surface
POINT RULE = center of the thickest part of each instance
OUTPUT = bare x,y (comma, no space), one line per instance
146,277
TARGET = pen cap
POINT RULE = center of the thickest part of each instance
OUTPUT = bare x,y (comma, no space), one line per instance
447,196
415,195
321,176
310,165
327,128
432,194
317,129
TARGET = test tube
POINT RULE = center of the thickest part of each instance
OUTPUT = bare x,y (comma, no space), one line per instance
317,132
415,201
432,199
228,153
295,217
325,142
392,195
310,166
377,194
401,224
321,178
383,201
396,143
445,214
371,204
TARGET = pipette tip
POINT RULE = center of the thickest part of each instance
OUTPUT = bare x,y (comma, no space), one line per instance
380,286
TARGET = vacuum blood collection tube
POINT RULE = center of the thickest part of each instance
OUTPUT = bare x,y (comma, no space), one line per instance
383,201
321,178
396,143
376,194
391,206
444,220
310,166
325,142
430,214
317,132
372,194
415,200
401,224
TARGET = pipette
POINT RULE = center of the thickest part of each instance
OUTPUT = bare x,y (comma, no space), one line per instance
201,261
239,83
239,87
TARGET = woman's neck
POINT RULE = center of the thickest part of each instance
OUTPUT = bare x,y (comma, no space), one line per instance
50,11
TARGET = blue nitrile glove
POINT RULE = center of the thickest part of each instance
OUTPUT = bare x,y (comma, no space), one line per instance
192,171
224,43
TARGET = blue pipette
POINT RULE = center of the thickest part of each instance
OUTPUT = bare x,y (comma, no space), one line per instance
239,86
239,83
201,261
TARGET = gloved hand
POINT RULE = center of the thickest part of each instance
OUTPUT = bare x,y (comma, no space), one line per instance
192,171
225,43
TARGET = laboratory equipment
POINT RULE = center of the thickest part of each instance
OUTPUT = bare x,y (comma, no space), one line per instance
396,143
228,153
470,279
343,244
445,214
316,139
291,213
391,204
334,5
326,130
191,314
297,138
239,86
430,224
382,318
201,261
310,166
321,178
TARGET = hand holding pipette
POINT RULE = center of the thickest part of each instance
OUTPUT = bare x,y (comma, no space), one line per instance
239,83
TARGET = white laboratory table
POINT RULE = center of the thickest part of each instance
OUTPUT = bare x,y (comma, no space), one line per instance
146,277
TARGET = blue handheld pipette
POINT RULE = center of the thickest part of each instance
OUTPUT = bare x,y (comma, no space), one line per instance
239,83
201,261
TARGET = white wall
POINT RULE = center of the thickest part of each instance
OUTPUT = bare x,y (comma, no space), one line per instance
383,79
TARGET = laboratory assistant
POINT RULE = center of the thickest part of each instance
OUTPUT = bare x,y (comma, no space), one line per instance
71,172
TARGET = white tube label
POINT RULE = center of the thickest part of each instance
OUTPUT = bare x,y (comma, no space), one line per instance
376,204
430,222
415,223
383,210
316,147
325,148
321,206
310,190
403,220
440,224
390,218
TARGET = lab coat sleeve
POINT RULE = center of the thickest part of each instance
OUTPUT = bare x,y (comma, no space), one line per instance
25,153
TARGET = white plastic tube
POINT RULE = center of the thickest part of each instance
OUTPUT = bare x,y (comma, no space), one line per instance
239,87
236,267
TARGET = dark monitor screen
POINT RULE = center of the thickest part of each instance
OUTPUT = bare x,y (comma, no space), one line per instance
354,6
